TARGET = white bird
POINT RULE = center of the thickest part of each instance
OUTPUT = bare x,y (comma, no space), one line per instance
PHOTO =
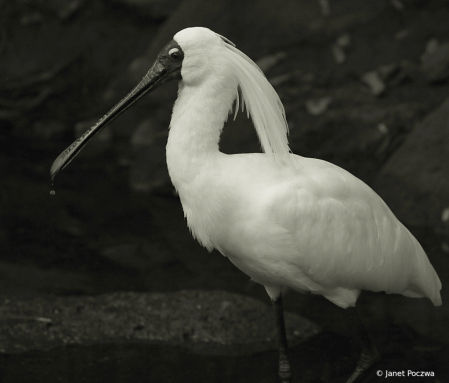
287,221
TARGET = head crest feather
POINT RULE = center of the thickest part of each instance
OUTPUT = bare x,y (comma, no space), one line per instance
262,103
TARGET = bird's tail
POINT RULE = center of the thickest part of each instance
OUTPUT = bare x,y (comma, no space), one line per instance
427,284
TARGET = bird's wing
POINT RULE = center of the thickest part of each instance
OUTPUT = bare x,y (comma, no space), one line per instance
345,235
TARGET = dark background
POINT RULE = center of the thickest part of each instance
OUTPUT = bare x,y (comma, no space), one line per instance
64,63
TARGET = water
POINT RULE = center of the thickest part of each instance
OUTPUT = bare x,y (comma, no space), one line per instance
325,358
138,362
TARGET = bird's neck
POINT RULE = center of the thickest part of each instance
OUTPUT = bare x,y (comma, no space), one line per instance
197,121
193,158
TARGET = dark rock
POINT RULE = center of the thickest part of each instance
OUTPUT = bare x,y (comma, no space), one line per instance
338,48
142,255
401,74
318,106
262,23
267,62
19,277
49,129
374,82
349,129
415,180
388,71
213,322
146,133
153,9
149,171
31,18
64,8
435,62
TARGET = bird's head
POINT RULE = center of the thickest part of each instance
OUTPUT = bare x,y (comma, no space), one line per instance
189,56
203,52
196,55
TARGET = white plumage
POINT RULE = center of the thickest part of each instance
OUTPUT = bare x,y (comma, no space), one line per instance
286,221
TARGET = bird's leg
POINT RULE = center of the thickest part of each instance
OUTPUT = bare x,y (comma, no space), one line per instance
285,370
370,355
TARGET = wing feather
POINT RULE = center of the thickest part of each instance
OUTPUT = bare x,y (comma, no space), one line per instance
346,236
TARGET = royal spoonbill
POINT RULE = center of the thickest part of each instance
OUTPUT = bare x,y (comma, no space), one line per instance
287,221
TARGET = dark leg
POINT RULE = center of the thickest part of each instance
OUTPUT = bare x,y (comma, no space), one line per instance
285,371
370,355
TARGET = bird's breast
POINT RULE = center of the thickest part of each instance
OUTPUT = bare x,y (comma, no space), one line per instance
203,207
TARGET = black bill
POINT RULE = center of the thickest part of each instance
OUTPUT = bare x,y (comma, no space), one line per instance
166,67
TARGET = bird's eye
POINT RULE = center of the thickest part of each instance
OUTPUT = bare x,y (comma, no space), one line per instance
175,54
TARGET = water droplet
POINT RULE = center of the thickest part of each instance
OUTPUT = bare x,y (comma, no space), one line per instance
52,192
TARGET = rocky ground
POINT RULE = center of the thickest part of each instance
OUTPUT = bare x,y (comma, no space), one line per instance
365,86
